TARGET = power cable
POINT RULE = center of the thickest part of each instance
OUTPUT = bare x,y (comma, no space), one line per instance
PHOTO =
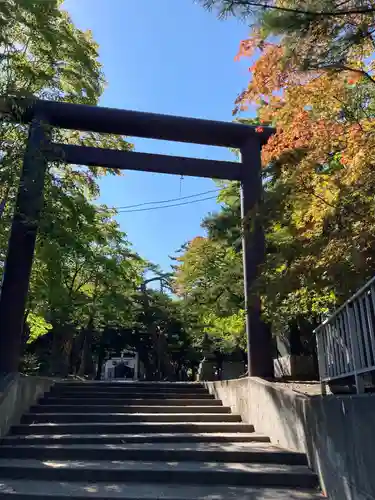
166,206
126,207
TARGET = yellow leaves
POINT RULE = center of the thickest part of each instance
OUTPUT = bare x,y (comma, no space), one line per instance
197,241
358,157
321,198
281,269
202,263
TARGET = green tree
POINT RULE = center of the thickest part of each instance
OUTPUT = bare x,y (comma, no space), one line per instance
208,276
79,244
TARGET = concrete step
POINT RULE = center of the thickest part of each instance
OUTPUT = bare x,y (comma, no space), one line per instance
94,401
100,439
176,452
126,394
125,383
129,428
31,418
87,388
35,490
127,409
230,474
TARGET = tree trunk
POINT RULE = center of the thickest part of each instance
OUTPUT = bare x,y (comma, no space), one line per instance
166,364
61,349
75,360
87,365
25,332
101,357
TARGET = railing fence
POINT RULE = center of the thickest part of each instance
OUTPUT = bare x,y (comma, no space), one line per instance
346,340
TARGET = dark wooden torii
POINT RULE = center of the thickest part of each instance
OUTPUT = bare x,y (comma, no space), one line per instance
44,115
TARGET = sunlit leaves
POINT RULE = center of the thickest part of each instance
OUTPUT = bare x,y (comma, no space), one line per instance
38,327
209,278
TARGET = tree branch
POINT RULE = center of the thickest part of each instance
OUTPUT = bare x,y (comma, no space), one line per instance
262,5
311,191
343,67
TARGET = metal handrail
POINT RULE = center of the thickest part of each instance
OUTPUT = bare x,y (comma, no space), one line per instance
346,340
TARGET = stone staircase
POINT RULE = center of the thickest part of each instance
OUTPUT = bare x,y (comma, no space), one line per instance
133,441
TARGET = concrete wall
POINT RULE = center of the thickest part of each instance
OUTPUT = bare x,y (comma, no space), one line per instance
17,394
336,432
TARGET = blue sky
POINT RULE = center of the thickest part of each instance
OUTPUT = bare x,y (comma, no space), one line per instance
171,57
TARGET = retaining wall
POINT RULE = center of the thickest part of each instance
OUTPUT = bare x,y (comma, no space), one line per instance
336,432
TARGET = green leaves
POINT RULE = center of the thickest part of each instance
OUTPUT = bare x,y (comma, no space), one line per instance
84,270
44,54
209,277
38,327
226,332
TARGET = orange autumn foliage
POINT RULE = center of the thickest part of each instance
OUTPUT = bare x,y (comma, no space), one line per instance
307,110
323,152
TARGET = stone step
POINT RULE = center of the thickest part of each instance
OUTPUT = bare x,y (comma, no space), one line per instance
31,418
144,385
129,388
126,394
129,428
176,452
35,490
210,473
127,409
100,439
94,401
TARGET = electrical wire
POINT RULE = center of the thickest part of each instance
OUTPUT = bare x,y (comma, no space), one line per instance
165,206
126,207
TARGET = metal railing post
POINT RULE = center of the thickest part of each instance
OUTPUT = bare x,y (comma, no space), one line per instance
321,359
354,348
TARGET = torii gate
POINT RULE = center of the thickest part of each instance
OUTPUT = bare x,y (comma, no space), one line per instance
42,115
